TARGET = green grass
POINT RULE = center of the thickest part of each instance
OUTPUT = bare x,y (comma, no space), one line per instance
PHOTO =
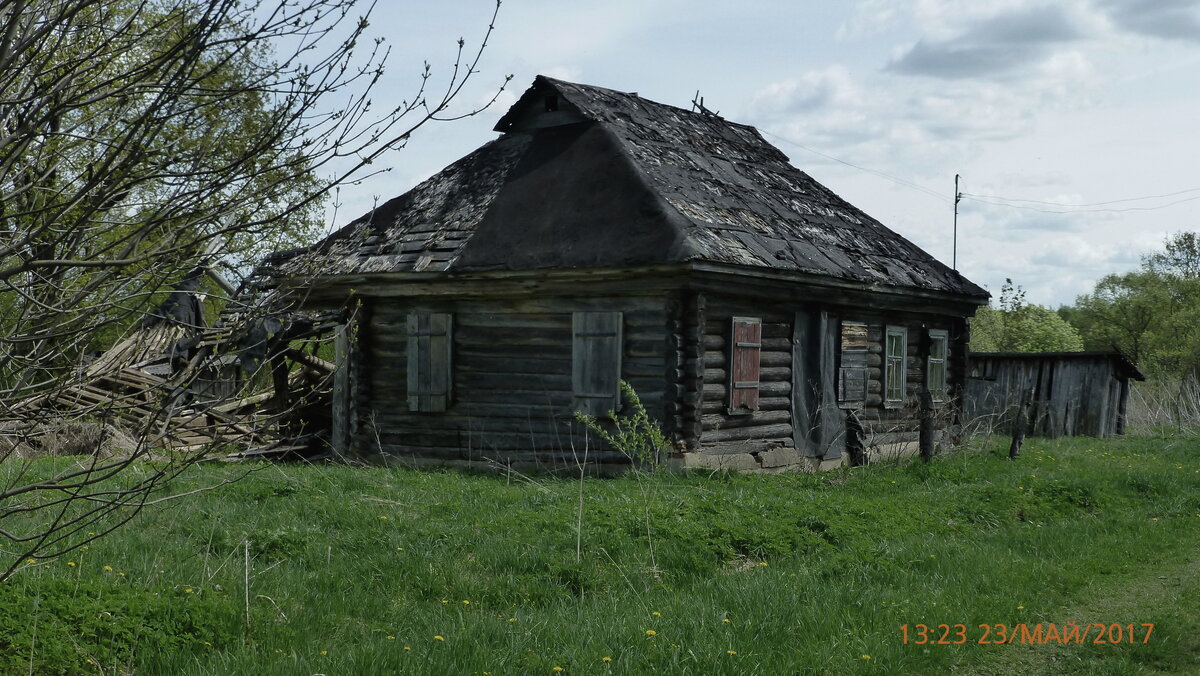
357,571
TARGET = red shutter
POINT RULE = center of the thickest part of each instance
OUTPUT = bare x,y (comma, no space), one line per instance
744,347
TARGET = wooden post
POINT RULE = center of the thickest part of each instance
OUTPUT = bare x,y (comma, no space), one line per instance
854,439
1019,425
340,428
926,437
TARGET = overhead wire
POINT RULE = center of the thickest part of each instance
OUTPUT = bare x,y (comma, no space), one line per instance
1000,201
876,172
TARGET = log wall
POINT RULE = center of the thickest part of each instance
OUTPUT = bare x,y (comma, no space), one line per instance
512,398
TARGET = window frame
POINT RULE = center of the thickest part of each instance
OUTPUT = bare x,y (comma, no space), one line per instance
895,366
937,390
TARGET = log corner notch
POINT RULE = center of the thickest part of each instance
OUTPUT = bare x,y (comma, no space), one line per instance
685,369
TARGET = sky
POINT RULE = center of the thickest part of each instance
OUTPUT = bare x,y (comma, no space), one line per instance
1074,124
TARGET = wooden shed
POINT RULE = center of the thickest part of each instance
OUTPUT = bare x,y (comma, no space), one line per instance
605,237
1073,393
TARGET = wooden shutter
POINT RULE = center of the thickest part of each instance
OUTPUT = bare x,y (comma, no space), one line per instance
596,361
745,345
430,372
852,373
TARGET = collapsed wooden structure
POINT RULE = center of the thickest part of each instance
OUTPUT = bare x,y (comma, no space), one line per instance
1068,393
179,385
605,237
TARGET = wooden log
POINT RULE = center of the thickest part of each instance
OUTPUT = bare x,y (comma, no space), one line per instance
717,360
313,362
778,431
746,446
715,343
772,374
717,391
719,421
764,404
473,363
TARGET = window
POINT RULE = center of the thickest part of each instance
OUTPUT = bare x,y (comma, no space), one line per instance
430,372
745,345
894,371
935,373
596,361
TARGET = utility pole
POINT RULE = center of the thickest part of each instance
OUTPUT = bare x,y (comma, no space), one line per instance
957,197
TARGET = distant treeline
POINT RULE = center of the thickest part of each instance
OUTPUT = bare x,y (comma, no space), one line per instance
1151,314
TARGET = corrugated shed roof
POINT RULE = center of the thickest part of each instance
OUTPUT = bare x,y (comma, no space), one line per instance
725,193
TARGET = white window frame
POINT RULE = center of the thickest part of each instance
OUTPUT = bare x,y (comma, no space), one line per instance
894,367
937,388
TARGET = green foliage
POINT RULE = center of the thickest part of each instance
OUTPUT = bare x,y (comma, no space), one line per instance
358,563
1019,327
1152,314
635,434
85,623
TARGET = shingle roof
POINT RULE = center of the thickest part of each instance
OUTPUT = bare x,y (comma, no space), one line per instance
586,176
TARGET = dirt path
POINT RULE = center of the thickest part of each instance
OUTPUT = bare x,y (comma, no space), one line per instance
1168,596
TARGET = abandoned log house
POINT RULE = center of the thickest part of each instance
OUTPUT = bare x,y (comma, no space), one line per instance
605,237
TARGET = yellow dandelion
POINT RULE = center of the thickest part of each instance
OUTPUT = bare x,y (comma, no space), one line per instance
606,658
399,549
90,533
513,619
188,590
32,561
108,569
445,601
408,647
391,638
71,564
730,652
726,621
651,632
121,573
1020,607
656,614
439,638
557,669
382,517
762,563
866,657
466,602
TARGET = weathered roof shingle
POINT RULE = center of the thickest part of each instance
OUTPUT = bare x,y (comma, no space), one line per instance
586,176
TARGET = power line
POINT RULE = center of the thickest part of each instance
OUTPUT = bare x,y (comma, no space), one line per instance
894,179
998,200
1092,204
1084,211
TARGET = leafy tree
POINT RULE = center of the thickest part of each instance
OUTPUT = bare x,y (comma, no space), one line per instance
139,138
1016,326
1152,314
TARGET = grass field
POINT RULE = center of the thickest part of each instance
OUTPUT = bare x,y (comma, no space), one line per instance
376,571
